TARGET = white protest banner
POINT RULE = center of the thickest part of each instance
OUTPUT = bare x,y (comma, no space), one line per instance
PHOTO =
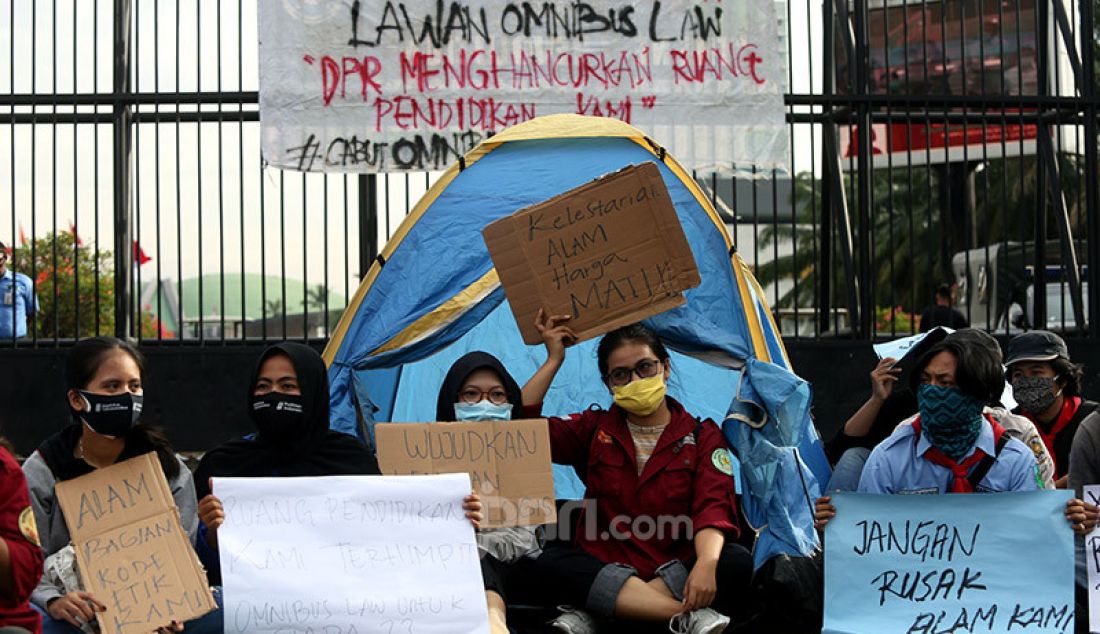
1092,562
350,555
376,85
900,348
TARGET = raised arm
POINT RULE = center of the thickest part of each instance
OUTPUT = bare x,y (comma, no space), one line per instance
883,378
555,336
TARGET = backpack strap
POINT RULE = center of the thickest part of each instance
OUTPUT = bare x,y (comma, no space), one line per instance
1083,411
1000,439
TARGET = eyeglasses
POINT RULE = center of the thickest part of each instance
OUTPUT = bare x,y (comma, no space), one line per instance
644,369
471,395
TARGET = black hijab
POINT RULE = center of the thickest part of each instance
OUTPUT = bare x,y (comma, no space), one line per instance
461,370
319,452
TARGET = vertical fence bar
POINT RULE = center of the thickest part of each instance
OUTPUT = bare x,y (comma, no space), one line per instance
240,162
123,119
33,327
864,179
986,102
13,264
221,181
1092,197
53,175
368,222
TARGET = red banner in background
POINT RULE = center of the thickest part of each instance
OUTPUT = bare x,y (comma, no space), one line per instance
914,142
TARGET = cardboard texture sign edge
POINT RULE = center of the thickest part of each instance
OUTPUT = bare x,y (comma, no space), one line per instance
161,484
386,465
504,232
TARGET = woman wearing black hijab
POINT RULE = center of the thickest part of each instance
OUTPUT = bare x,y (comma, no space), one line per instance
451,392
288,400
478,388
289,404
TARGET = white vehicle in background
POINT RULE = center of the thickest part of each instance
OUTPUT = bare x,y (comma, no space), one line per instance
996,287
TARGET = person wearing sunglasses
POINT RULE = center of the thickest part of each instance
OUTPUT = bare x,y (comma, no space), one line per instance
654,542
17,300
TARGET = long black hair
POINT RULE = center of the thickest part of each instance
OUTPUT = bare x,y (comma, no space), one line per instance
985,359
976,369
634,333
81,365
1069,374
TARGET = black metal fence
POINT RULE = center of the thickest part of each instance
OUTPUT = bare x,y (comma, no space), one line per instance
949,142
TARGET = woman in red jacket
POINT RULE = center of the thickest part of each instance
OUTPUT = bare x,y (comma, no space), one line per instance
20,554
651,542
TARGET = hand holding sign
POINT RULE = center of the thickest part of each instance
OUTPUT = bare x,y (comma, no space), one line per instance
472,505
1082,516
823,512
556,336
134,558
212,516
76,608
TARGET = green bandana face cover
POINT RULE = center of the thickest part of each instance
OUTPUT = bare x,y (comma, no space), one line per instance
951,419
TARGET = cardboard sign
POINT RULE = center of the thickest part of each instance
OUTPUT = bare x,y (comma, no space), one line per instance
131,551
610,252
350,555
508,463
926,564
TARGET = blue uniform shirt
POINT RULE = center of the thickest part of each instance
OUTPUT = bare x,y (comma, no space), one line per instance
15,291
898,465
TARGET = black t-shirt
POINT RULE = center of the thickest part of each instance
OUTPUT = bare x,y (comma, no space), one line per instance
900,405
934,316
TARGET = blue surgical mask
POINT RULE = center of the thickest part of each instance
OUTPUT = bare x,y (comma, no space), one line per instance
482,410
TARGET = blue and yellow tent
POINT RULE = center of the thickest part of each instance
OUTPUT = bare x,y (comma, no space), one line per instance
433,295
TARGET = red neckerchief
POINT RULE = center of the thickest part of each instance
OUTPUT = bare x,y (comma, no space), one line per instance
960,470
1069,408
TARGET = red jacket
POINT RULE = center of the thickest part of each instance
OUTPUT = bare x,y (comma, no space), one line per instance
17,529
685,477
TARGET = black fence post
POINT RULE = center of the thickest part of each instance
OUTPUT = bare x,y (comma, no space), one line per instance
122,120
824,299
1092,195
368,222
865,178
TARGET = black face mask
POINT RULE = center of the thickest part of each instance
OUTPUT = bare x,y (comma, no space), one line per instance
278,417
110,415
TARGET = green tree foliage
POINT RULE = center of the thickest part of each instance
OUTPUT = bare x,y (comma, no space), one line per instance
911,237
75,288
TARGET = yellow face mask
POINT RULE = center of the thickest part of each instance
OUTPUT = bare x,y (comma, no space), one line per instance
641,397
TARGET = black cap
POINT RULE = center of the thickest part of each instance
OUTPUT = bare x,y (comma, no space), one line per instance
1037,345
